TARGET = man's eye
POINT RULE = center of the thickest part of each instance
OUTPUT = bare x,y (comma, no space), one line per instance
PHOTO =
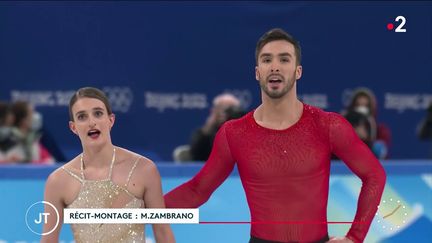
98,113
81,117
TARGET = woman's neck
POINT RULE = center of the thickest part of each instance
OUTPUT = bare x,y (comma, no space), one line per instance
98,156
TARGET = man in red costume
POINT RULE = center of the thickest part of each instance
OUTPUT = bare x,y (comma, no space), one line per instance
282,150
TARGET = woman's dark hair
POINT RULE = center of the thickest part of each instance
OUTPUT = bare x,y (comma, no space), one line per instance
89,92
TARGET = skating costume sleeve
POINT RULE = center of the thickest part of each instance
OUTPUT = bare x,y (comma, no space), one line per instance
198,190
357,156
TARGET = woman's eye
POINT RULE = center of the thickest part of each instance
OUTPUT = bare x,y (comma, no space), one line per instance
98,113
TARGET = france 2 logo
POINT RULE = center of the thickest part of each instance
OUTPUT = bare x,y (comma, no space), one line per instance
401,20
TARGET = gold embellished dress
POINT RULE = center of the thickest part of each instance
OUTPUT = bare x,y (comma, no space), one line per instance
105,194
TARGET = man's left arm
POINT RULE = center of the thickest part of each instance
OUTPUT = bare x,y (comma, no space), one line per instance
346,145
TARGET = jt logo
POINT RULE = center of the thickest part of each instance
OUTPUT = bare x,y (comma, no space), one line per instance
36,218
40,218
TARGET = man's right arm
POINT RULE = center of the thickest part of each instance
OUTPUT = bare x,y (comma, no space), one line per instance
198,190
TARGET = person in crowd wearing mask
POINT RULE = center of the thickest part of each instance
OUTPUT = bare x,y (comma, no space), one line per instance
364,101
225,107
425,127
365,127
7,140
26,133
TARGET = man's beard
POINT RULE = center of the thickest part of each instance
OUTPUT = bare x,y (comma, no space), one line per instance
276,94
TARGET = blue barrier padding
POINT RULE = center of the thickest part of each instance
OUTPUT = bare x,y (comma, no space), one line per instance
394,167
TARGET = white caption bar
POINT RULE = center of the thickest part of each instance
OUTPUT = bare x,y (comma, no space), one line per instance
131,216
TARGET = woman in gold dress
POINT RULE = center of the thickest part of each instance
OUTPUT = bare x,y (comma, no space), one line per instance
102,176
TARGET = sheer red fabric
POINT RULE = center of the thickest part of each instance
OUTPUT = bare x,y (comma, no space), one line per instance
285,174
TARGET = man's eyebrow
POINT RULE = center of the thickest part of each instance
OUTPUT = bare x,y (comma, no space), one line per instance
285,54
265,55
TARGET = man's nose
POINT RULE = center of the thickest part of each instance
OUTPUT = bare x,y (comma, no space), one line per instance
274,67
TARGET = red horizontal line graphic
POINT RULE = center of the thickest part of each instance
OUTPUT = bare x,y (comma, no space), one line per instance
281,222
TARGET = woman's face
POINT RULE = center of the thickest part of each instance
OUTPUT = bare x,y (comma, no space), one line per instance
91,121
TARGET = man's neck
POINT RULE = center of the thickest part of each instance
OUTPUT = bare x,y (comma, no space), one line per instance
279,113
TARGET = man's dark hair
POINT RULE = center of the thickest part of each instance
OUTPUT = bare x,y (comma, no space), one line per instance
275,35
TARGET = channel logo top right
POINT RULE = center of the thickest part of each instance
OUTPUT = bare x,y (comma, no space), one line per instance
398,25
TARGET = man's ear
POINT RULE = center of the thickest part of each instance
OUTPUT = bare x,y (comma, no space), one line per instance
257,74
299,72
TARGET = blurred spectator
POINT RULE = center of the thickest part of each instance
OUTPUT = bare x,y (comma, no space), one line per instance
424,130
26,132
425,126
365,127
6,138
363,101
225,107
49,143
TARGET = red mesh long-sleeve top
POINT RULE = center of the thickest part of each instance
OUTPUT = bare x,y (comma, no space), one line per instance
285,174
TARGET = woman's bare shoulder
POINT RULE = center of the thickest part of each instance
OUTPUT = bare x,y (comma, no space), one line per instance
127,155
143,165
59,175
